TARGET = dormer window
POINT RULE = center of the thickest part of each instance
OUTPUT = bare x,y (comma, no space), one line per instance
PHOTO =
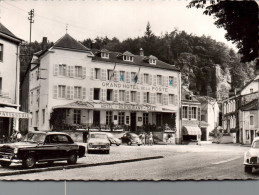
128,58
105,55
152,61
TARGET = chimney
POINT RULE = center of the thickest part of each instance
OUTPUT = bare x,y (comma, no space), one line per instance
44,43
141,52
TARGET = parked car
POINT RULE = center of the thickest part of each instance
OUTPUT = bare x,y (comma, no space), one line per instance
98,142
131,138
113,140
251,158
41,147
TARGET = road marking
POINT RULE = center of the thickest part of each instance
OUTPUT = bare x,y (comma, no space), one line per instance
224,161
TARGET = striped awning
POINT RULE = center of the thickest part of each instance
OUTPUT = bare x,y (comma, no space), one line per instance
191,130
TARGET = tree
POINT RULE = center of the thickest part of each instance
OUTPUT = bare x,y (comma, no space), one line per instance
239,19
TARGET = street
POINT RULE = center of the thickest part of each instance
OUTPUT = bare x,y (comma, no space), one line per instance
180,162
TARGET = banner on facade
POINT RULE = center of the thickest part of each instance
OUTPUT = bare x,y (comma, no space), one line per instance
13,113
126,107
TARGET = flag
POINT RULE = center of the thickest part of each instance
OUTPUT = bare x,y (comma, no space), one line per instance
113,71
136,77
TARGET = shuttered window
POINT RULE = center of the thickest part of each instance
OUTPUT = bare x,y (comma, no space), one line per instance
78,71
133,96
109,94
62,91
159,80
122,95
171,99
146,79
159,98
77,92
122,76
97,73
62,70
185,112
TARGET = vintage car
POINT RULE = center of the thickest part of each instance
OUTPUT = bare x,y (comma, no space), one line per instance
98,141
131,138
251,158
113,140
41,147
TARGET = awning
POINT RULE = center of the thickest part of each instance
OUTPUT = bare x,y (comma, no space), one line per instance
13,113
191,130
76,105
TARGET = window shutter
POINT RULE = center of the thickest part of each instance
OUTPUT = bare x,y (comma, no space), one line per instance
72,71
176,100
190,112
102,95
105,75
127,77
117,76
199,114
166,81
163,80
127,96
71,93
84,93
154,80
165,99
138,97
68,93
102,74
91,94
145,97
141,78
55,91
175,82
92,74
115,95
150,79
68,71
84,73
55,70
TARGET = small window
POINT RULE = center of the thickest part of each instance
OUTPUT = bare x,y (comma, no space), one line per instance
97,74
122,76
62,69
159,79
1,52
122,95
109,74
108,117
128,58
121,118
251,90
185,112
148,97
109,94
77,116
159,98
194,113
152,61
146,79
61,91
171,98
251,120
78,71
104,55
171,80
77,92
133,77
127,119
43,116
96,94
145,118
133,96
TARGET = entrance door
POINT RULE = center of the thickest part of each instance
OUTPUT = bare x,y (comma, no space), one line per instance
133,121
203,134
96,118
252,135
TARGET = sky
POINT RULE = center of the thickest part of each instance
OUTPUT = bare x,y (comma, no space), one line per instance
112,18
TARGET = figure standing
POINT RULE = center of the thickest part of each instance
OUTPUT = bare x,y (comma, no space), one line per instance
150,139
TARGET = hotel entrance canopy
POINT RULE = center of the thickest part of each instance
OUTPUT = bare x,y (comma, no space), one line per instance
191,130
13,113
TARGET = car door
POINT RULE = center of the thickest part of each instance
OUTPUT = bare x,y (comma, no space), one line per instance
50,147
65,145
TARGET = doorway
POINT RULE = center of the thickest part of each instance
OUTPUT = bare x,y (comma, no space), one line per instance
252,136
96,118
133,121
203,134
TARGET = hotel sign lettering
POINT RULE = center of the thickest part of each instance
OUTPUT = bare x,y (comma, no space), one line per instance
128,107
134,87
13,115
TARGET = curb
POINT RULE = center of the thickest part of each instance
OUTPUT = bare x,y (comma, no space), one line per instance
37,170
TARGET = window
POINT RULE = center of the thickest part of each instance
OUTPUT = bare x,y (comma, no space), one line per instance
109,94
63,139
146,79
77,92
185,112
121,118
133,96
145,118
171,98
1,52
61,91
158,119
171,80
148,97
152,61
121,95
122,76
159,79
108,117
37,118
127,119
128,58
78,71
31,118
1,84
133,76
109,74
62,69
251,90
194,113
251,120
247,134
77,116
43,116
96,94
104,55
31,97
159,98
97,73
38,97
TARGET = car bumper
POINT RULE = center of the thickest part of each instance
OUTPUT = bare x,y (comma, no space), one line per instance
10,160
98,148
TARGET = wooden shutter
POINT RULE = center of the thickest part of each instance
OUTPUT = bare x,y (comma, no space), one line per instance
154,80
163,80
190,112
142,78
176,100
55,91
68,93
103,74
55,70
84,93
175,81
199,114
127,96
138,97
68,71
115,95
166,81
72,71
92,74
127,77
117,75
150,79
71,93
91,97
165,99
102,94
145,97
84,73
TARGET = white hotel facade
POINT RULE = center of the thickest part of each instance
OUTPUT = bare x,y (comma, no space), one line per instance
74,87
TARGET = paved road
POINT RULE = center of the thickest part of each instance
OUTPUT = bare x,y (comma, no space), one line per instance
179,162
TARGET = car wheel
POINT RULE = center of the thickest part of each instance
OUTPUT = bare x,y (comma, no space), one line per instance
29,162
117,144
129,143
72,159
248,169
139,144
5,164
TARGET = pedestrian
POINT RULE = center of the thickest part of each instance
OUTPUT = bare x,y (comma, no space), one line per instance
143,138
19,136
150,139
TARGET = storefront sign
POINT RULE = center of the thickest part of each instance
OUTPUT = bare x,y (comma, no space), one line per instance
126,107
13,115
134,87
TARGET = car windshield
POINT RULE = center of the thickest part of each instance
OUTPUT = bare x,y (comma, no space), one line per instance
35,137
255,144
100,136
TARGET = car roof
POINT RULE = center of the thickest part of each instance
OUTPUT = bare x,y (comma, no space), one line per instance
48,133
98,133
256,139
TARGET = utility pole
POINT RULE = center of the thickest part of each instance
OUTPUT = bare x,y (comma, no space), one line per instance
30,18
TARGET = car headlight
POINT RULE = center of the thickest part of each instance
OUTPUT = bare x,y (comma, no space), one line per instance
15,150
90,144
107,144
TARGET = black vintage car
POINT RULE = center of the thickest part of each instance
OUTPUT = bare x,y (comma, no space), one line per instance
131,138
41,147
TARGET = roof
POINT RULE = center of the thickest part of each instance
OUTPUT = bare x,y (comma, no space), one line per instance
186,92
68,42
5,31
138,60
253,105
255,79
205,99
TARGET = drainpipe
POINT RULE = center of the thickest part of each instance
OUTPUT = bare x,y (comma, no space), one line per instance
17,81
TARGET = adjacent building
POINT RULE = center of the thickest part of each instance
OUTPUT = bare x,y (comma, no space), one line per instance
73,87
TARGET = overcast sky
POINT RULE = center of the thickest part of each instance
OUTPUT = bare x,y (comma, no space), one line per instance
111,18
